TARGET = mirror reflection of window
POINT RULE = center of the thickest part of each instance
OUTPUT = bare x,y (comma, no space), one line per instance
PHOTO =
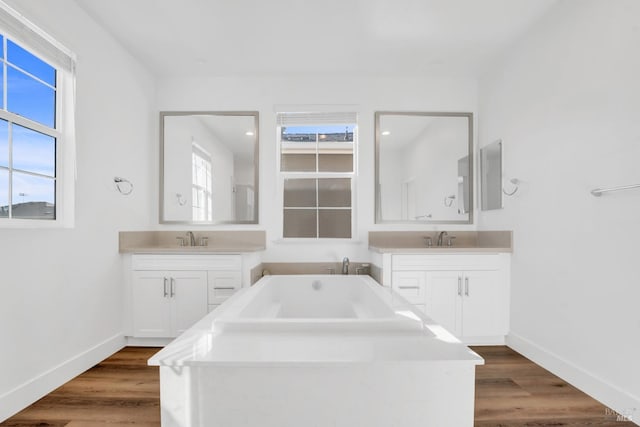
202,201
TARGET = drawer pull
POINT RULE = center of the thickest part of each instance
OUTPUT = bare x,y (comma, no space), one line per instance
224,288
408,287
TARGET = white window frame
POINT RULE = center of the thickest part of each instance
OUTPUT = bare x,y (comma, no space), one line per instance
23,32
283,175
198,152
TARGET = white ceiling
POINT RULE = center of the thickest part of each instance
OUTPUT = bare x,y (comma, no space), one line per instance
257,37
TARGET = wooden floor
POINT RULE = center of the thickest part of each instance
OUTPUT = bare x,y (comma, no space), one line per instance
511,391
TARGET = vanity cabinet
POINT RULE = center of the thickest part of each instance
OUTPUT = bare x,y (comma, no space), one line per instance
467,294
168,293
166,303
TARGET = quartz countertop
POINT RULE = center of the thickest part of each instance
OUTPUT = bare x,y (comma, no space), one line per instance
166,242
484,241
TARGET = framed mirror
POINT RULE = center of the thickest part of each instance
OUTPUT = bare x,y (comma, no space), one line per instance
424,167
209,167
491,176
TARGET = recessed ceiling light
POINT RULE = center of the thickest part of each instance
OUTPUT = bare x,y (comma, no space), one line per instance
386,132
249,133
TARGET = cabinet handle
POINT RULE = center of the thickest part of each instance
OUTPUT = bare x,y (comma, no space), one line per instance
408,287
225,288
173,287
466,286
165,287
459,286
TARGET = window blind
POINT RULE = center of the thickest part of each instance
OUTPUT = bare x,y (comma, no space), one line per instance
316,118
18,27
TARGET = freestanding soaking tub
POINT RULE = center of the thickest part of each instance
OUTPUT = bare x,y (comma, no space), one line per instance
307,351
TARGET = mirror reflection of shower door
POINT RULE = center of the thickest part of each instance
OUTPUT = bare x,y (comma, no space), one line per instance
463,186
244,197
408,197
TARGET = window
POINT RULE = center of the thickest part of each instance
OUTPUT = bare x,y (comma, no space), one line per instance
201,184
317,170
36,124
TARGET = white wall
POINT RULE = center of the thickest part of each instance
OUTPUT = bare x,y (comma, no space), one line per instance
566,103
61,289
368,94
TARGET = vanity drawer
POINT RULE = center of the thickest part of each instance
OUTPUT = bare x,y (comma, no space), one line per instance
222,285
411,285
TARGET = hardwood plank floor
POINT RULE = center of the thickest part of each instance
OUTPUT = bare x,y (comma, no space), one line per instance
511,391
121,390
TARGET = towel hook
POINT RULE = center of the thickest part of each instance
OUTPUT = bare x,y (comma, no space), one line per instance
450,198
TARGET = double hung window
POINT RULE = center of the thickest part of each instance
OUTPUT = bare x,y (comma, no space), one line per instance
201,184
317,153
36,78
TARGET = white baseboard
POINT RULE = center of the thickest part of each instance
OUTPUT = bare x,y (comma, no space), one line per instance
25,394
624,404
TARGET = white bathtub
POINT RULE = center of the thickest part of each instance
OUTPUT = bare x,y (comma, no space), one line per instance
316,351
319,303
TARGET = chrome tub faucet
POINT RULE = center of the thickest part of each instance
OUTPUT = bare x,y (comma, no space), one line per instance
345,265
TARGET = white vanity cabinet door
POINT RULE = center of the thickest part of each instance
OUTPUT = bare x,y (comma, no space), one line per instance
189,299
443,299
165,303
485,308
151,307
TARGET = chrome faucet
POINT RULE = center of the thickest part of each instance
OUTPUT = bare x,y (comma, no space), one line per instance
345,265
192,238
442,234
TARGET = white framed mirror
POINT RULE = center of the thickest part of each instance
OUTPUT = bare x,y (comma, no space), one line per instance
209,167
424,167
